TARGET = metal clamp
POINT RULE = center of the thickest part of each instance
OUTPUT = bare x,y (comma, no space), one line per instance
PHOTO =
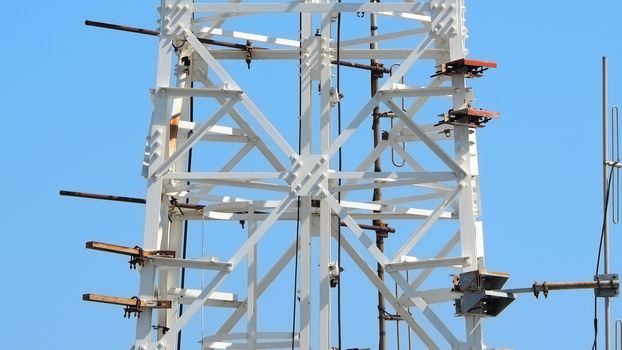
174,207
134,309
334,272
158,327
138,259
249,53
536,290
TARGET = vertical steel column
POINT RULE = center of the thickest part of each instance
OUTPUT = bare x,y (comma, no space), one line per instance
251,285
605,185
173,235
325,210
157,151
471,240
158,234
306,91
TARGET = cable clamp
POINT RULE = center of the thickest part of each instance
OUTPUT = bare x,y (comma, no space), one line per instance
163,328
138,259
174,207
249,53
134,309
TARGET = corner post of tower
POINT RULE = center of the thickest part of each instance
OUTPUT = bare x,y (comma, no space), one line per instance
159,231
448,25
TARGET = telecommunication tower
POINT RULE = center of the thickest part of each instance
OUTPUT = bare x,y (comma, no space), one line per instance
287,167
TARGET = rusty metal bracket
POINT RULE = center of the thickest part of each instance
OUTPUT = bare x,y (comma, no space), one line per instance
481,295
464,67
378,70
607,285
138,259
132,306
471,117
138,256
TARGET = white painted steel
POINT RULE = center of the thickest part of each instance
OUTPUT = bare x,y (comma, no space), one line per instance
303,184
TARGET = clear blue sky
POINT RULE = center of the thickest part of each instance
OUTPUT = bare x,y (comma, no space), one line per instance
76,107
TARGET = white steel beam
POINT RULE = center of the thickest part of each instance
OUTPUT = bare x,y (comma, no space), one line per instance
215,282
424,274
381,286
248,36
427,224
293,7
251,286
194,138
346,54
427,263
382,37
200,264
310,183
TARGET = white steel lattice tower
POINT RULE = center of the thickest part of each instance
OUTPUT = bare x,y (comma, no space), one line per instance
434,193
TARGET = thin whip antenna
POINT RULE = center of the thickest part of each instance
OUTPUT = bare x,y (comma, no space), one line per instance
605,199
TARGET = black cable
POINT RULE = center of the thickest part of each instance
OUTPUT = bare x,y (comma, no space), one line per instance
298,202
185,231
296,273
296,252
600,247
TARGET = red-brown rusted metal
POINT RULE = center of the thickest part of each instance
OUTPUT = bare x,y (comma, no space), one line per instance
465,67
471,117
